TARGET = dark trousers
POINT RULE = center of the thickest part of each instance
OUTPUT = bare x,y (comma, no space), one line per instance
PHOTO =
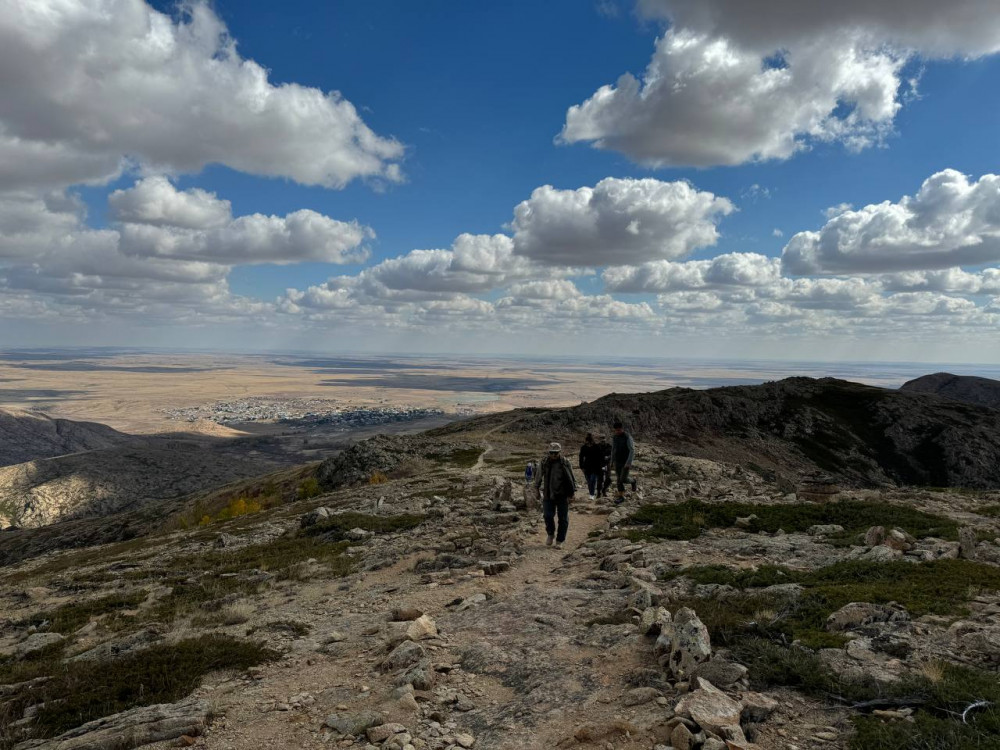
549,510
622,473
605,480
593,483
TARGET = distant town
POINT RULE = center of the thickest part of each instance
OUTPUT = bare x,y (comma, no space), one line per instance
298,411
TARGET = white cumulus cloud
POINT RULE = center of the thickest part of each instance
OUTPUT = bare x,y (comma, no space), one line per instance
949,222
731,82
89,85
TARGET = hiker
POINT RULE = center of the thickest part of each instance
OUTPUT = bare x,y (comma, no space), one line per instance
591,464
556,475
529,471
604,475
622,455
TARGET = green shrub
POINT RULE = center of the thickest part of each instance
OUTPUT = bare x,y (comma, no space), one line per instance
79,692
688,519
308,488
70,617
337,525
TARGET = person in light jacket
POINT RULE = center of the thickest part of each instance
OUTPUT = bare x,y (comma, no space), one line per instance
555,476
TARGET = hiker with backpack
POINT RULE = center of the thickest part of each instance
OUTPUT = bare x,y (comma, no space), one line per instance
555,475
622,455
591,464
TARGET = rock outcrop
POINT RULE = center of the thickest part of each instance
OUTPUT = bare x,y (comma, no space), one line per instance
966,388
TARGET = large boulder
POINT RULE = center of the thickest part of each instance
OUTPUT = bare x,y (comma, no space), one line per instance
712,710
683,644
860,614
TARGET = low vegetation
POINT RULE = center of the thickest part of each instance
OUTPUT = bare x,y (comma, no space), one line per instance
689,519
337,526
460,458
941,696
940,587
70,617
78,692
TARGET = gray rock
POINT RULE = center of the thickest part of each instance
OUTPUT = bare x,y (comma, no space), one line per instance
640,695
314,517
406,654
121,647
354,723
720,673
825,529
967,543
860,614
132,728
689,643
653,621
35,643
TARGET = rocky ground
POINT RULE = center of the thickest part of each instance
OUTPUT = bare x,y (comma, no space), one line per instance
422,609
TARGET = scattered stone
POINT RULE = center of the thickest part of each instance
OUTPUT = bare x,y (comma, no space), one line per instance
405,614
720,672
421,628
681,738
36,642
382,732
495,567
689,643
353,723
757,707
967,543
406,654
745,522
640,695
465,740
226,540
859,614
875,536
314,517
825,529
653,621
712,709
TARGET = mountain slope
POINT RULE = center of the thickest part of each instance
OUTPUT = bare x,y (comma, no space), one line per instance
860,434
967,388
26,436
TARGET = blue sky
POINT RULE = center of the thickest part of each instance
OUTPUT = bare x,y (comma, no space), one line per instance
466,101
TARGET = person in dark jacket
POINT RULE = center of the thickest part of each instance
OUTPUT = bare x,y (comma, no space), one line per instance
556,476
591,464
622,456
604,475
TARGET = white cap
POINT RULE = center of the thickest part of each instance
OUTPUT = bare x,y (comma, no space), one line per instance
555,448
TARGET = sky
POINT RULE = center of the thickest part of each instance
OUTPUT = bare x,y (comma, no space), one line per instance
689,178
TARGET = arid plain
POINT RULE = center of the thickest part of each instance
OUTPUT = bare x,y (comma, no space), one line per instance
150,392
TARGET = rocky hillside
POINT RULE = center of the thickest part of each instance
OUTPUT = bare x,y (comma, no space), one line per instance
966,388
861,435
714,610
102,482
26,436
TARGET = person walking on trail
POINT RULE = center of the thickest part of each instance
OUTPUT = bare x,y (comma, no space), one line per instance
591,464
556,476
603,449
622,455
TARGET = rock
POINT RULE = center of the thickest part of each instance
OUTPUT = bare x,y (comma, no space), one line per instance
899,540
382,732
713,743
653,621
421,628
465,740
421,677
967,543
681,738
745,522
689,643
408,703
640,695
720,672
120,647
712,710
359,534
406,654
859,614
353,723
226,540
825,529
36,642
405,614
875,536
495,567
132,728
314,517
757,707
881,553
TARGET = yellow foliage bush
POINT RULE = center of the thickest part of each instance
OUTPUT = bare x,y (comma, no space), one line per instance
378,477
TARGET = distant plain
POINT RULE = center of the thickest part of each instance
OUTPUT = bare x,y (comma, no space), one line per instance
134,391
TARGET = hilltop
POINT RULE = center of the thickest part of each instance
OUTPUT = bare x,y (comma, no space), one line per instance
969,389
861,435
27,436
